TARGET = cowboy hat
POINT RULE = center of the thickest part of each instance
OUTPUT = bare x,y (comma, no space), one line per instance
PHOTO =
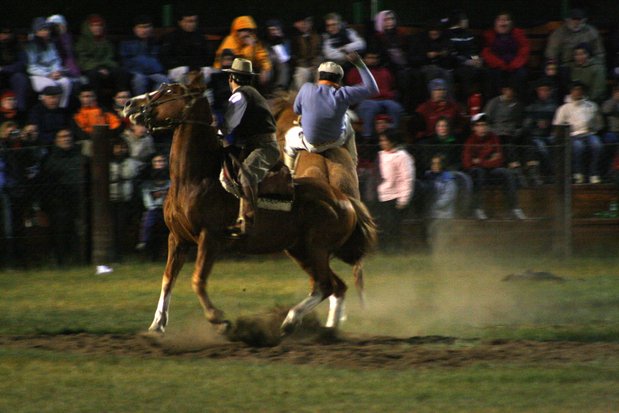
241,67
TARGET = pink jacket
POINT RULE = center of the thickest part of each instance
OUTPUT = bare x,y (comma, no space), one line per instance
397,172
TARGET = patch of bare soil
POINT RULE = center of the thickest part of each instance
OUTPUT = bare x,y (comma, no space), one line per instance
258,340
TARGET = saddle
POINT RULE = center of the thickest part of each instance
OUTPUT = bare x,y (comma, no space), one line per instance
275,191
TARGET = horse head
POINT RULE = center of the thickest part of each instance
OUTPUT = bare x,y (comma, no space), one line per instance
168,106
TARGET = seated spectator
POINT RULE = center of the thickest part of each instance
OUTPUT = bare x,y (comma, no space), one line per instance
339,40
464,57
185,48
610,109
140,142
63,173
89,115
243,41
537,133
433,50
306,51
441,142
9,110
557,84
483,159
278,46
48,116
384,102
506,54
154,191
586,70
218,87
574,31
396,46
64,44
584,121
504,115
613,54
439,105
120,99
96,57
140,57
13,67
395,189
44,63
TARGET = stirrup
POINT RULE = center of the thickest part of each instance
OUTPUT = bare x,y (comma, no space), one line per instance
238,230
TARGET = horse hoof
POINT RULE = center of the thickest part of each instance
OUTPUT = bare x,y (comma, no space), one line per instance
288,328
224,328
156,329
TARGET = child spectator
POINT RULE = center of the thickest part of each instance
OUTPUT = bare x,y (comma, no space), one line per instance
483,159
154,192
90,114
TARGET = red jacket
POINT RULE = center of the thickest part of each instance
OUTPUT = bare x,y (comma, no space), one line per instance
431,111
494,61
488,150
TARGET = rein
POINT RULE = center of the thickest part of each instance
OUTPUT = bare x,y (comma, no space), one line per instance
152,102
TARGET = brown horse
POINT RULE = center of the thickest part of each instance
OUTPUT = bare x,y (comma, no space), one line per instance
334,166
323,221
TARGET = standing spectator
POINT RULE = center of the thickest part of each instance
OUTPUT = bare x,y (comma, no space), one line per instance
464,57
278,46
47,114
140,57
439,105
505,116
96,57
506,54
244,43
610,109
584,120
441,195
63,174
44,62
91,114
140,142
537,132
13,67
64,44
588,71
395,188
482,158
306,50
339,40
386,100
154,191
123,172
185,48
574,31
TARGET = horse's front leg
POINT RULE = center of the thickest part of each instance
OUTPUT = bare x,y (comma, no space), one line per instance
176,259
205,259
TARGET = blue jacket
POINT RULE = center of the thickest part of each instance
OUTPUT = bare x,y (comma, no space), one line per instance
139,56
444,194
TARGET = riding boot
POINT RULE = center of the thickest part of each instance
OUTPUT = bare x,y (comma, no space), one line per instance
290,162
246,215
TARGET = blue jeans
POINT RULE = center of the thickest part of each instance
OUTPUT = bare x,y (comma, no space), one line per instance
582,145
369,108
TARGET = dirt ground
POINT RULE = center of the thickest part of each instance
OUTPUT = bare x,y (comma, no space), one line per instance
259,340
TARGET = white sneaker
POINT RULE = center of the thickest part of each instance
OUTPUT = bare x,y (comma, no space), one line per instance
579,179
518,214
103,269
480,215
594,179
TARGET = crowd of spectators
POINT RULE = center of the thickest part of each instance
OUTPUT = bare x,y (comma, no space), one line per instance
458,109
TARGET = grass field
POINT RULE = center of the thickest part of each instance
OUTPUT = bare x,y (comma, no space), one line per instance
68,340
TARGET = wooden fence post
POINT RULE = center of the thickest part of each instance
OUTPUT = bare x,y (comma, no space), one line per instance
562,237
102,236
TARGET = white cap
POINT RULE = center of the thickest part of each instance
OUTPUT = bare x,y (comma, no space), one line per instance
331,67
479,117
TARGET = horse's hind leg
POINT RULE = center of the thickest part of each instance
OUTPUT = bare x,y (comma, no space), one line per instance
176,259
204,264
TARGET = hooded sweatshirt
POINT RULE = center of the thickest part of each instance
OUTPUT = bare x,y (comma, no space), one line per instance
257,53
94,52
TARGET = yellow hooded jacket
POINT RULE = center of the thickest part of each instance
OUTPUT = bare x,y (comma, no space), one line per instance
256,53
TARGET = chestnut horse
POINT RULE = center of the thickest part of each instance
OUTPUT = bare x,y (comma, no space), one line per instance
334,166
322,223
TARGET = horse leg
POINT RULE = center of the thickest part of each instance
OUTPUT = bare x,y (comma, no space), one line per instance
204,264
176,259
336,302
357,271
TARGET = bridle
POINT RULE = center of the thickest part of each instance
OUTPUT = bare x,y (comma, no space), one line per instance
158,98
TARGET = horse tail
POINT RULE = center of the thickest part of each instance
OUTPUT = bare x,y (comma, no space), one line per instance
363,238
